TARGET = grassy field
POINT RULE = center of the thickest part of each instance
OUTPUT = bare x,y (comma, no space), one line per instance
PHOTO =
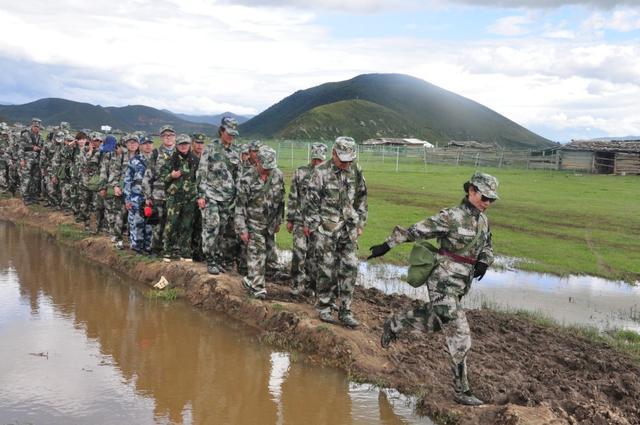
558,222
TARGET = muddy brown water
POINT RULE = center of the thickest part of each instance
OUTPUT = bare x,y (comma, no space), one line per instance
80,344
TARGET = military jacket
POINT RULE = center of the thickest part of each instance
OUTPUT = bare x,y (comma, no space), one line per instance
49,150
454,228
259,205
62,163
133,178
153,184
298,193
335,199
218,173
29,140
90,165
78,163
5,148
184,186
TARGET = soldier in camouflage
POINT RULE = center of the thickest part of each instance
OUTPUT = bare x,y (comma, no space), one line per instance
5,157
61,166
13,162
76,173
197,148
465,253
50,187
89,169
179,174
154,185
29,148
303,263
216,184
139,230
258,215
335,212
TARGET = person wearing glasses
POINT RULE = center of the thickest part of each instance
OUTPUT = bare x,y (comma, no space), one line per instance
465,253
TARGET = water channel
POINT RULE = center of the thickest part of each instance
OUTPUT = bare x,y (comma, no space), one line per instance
82,345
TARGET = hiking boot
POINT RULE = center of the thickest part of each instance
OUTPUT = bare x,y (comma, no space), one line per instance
467,398
388,335
212,269
348,320
325,316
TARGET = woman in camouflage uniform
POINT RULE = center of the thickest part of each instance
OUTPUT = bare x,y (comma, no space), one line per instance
465,253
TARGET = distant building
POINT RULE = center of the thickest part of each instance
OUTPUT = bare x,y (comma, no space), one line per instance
601,157
390,141
472,144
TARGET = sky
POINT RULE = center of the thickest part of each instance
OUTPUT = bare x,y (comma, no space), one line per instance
565,69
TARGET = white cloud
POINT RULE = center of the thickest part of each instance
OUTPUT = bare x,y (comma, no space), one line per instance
511,26
620,20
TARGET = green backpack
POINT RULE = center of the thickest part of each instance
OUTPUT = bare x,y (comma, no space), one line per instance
422,260
94,183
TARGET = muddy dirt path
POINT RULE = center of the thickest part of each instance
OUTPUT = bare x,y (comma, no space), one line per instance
528,374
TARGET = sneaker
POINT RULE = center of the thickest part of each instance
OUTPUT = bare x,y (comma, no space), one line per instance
388,335
120,245
212,269
297,290
113,239
467,399
348,320
166,259
186,260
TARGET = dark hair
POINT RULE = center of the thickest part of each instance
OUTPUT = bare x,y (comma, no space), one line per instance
221,130
466,186
81,135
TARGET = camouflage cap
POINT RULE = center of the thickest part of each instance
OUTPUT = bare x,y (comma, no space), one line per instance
487,185
130,137
198,138
182,139
145,140
59,136
345,147
64,125
95,135
36,121
319,151
267,158
69,137
4,126
167,128
244,148
230,125
255,145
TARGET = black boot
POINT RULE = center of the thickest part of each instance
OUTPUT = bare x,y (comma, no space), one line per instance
463,394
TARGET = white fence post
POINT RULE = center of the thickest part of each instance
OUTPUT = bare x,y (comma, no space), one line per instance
397,157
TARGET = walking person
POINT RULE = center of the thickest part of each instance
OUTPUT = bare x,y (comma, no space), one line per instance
465,253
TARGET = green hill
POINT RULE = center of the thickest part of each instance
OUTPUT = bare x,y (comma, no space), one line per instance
84,115
428,111
357,118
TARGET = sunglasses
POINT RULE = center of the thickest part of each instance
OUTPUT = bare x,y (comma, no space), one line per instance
490,200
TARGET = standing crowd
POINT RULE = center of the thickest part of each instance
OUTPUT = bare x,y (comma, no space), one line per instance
223,204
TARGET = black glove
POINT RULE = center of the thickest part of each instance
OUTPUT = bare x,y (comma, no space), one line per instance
378,250
479,270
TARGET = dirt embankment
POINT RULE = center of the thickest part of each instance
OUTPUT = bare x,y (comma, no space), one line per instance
528,374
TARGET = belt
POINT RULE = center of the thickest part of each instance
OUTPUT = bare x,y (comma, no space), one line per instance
457,258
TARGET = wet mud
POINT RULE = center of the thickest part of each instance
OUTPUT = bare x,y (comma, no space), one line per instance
527,373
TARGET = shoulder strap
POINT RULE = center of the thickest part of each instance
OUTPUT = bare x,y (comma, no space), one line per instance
473,241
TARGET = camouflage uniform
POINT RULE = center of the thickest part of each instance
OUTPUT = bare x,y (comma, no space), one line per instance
14,163
196,232
89,168
216,184
139,230
303,262
153,186
76,180
454,228
61,167
112,172
335,211
50,188
180,201
259,212
29,148
5,157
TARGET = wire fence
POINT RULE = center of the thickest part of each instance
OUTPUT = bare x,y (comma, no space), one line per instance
292,154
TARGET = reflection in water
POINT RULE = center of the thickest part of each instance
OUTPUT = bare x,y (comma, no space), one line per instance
572,300
115,357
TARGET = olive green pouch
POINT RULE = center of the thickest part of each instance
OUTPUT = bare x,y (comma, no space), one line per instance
422,261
